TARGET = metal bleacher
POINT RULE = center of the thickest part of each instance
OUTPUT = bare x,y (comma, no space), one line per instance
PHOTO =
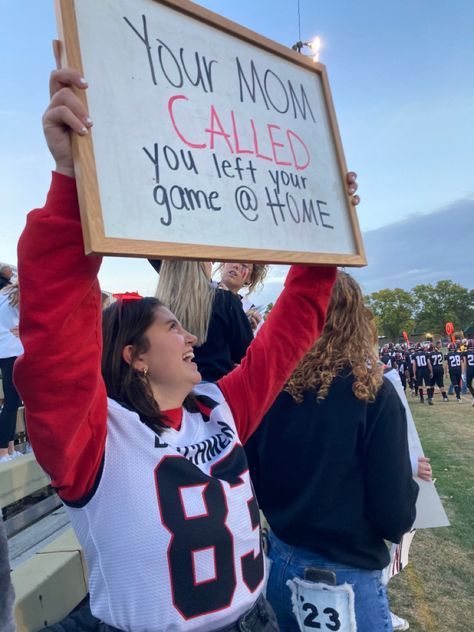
48,569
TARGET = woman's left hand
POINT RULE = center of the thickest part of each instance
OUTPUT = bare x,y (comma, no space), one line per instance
424,468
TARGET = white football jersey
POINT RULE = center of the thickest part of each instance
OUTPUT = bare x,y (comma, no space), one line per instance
171,532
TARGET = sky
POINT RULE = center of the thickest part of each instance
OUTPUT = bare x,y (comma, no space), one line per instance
429,253
402,85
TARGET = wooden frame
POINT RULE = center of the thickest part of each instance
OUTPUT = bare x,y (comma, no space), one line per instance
97,240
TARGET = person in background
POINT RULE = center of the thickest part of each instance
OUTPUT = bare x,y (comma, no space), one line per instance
455,368
436,359
463,348
386,356
469,365
409,353
331,468
10,349
235,277
423,372
214,315
401,368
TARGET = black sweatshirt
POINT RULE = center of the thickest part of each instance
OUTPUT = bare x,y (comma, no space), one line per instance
335,477
228,337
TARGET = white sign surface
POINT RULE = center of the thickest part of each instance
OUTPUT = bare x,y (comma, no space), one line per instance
203,138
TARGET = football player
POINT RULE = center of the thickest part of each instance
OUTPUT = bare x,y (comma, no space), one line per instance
436,359
423,373
454,366
469,366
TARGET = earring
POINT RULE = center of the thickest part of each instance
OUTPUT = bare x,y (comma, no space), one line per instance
145,372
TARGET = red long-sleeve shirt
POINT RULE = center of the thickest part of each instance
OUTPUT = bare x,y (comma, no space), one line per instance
59,375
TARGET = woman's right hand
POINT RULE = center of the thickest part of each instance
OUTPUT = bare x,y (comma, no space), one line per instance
65,113
254,317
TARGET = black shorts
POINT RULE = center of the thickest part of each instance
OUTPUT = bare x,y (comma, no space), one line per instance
469,374
423,376
455,377
437,379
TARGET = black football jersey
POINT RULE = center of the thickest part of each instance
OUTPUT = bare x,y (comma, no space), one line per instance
469,355
453,358
421,360
436,359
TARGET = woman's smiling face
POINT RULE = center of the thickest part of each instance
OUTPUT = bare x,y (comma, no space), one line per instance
169,357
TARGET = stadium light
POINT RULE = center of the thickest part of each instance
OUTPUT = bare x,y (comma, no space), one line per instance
315,45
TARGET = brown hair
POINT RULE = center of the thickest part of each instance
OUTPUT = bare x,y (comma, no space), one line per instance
125,323
347,340
257,276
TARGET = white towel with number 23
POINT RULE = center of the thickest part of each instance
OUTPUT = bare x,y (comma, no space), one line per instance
323,607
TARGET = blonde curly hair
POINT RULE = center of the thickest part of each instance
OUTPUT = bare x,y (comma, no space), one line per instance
347,340
13,293
257,277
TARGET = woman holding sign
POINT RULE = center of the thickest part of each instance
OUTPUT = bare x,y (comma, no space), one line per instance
332,474
149,465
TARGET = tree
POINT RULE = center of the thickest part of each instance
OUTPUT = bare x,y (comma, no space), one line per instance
442,303
393,311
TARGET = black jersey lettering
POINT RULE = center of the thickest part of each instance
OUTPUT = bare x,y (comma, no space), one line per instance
205,532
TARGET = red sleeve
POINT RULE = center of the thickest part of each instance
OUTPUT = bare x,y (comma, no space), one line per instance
291,329
59,375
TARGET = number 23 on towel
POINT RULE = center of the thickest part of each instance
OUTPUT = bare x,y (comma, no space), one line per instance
318,606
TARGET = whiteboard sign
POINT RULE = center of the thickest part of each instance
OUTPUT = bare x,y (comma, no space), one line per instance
209,141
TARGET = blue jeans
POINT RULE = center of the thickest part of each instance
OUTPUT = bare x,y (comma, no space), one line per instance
370,596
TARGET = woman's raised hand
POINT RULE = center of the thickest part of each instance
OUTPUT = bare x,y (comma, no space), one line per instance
65,113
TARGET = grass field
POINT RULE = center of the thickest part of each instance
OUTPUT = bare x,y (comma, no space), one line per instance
436,590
